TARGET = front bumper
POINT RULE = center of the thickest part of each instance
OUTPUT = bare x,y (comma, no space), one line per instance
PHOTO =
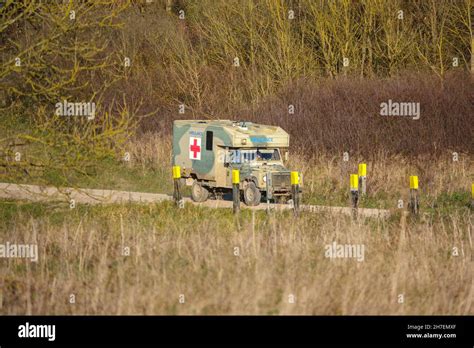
279,184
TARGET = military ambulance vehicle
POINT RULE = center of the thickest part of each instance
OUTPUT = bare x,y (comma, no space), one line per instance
208,150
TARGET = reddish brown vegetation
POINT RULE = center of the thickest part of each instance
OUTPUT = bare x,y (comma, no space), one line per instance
336,115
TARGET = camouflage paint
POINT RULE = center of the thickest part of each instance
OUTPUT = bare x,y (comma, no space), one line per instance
208,158
178,133
226,134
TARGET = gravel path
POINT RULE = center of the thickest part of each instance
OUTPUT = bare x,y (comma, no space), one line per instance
38,193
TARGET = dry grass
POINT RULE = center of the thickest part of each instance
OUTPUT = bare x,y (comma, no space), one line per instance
327,178
191,252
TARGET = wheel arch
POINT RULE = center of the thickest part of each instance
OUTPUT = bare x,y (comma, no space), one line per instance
249,179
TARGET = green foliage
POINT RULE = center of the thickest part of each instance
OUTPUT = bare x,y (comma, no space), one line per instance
54,52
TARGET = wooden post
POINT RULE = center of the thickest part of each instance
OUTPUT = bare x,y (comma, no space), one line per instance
362,179
354,183
472,195
269,187
295,190
414,204
176,192
236,190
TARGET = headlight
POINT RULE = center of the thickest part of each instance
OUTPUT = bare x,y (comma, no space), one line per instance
264,178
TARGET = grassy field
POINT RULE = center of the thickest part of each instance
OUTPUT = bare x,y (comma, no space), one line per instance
156,259
258,264
323,75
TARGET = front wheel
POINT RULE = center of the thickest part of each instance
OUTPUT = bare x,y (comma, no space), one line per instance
198,192
252,194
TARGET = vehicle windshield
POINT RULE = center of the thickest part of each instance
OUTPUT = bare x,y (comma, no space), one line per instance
253,155
268,155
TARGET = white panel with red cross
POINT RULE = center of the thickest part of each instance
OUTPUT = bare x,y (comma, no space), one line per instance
195,148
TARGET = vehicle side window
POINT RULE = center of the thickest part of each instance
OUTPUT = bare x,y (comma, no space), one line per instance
209,139
233,156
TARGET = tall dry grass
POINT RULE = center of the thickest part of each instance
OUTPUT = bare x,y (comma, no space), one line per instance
192,252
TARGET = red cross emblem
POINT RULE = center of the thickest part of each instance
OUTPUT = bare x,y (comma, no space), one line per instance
195,148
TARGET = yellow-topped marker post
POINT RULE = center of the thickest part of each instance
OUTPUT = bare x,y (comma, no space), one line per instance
414,204
354,183
176,172
295,190
413,182
472,195
362,179
236,190
177,192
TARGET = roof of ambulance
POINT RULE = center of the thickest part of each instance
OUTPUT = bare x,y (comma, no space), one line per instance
232,126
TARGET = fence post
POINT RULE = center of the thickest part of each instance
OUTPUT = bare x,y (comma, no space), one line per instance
414,204
236,190
472,195
295,189
354,182
176,192
362,179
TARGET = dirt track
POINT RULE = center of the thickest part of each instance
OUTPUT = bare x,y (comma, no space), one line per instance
95,196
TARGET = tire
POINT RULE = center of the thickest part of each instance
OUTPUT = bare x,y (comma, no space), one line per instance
252,194
198,192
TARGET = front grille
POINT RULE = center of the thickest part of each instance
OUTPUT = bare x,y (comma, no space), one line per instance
281,180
